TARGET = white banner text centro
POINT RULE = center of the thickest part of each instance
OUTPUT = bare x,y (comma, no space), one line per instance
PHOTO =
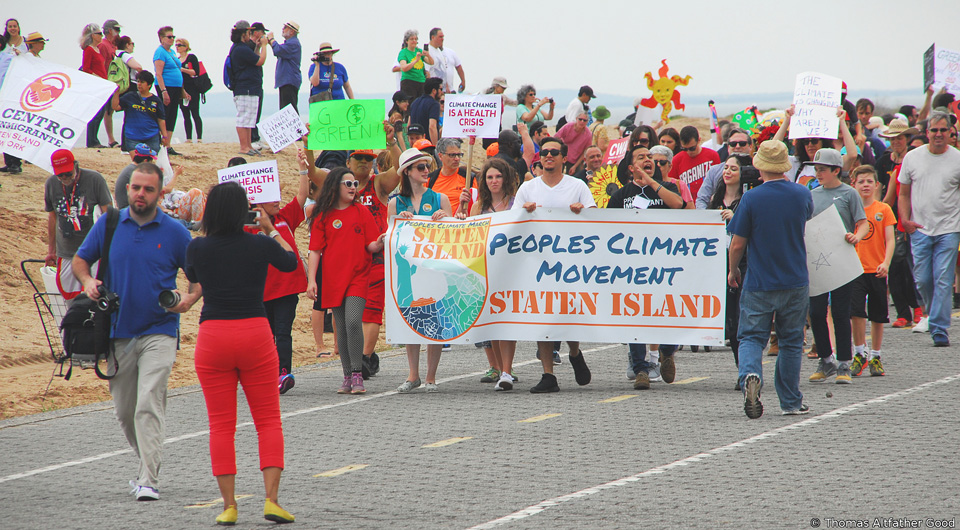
630,276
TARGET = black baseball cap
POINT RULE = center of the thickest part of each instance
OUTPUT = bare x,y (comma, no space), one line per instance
258,26
416,128
585,89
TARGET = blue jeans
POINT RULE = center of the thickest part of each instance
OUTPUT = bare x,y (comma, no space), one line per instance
935,259
757,309
638,356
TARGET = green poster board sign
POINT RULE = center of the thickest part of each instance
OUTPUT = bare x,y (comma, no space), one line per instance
347,124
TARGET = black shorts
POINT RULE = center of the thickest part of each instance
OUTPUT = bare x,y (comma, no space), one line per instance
870,292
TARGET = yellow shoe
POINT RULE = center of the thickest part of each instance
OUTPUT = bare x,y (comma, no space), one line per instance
228,517
272,512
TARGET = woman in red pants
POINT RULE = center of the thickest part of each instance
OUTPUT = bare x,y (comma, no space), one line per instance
235,343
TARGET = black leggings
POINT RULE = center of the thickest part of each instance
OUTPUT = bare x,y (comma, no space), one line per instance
192,109
170,111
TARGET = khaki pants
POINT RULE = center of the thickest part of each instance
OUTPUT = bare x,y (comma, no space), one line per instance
139,393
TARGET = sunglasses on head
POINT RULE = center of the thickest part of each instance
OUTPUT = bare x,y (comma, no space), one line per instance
739,144
350,183
549,152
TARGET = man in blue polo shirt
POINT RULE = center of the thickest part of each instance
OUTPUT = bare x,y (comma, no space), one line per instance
147,250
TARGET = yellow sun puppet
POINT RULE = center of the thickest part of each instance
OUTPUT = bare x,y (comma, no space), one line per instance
664,91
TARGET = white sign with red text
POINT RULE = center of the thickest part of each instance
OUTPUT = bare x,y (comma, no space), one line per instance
45,106
465,115
260,179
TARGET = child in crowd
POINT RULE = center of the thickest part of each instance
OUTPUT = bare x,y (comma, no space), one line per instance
343,235
828,163
875,252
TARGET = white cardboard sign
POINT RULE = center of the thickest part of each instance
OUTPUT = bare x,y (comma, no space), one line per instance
815,99
260,179
282,129
831,261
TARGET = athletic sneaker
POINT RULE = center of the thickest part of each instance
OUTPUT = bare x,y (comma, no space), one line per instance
347,386
548,383
843,374
941,340
144,493
631,375
408,386
654,374
492,376
901,323
356,384
859,363
286,381
876,367
922,326
917,315
580,370
505,382
556,357
447,347
668,369
751,397
798,412
824,370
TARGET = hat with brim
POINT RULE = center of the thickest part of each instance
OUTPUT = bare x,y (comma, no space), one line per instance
772,157
415,128
36,36
62,161
326,47
292,25
422,144
601,113
500,81
826,156
364,152
258,26
898,127
144,150
410,157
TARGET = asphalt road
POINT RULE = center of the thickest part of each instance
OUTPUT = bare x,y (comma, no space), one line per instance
881,450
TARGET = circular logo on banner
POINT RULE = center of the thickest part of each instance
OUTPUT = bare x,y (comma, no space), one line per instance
356,114
337,224
40,94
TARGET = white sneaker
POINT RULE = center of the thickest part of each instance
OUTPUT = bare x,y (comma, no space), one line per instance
257,145
505,382
654,374
922,327
144,493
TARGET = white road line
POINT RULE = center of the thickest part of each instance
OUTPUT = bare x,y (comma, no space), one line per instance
103,456
557,501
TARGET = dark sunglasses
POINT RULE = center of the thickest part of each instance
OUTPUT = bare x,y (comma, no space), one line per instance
350,183
662,162
643,141
364,158
421,167
691,149
549,152
936,130
739,144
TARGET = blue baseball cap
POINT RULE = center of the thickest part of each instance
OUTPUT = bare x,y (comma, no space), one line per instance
144,150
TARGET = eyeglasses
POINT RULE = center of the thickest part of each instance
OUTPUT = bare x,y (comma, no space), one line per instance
549,152
169,36
643,141
454,155
937,130
584,120
350,183
739,144
421,167
662,163
364,158
181,45
534,94
691,148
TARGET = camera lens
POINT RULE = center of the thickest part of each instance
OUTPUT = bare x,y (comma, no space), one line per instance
168,298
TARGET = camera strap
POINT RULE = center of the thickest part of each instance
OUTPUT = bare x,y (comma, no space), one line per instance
113,219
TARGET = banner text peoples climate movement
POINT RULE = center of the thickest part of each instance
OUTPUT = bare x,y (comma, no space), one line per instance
603,275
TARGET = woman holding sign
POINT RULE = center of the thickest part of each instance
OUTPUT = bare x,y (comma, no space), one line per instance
497,189
411,61
416,199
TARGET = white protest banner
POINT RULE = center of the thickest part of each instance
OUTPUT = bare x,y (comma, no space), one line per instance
831,261
815,99
260,179
44,107
651,276
282,129
941,68
466,115
616,150
646,116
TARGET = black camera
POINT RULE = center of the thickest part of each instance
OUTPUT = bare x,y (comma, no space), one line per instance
168,298
108,301
316,57
749,178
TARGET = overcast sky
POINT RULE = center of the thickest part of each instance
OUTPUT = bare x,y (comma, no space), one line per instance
728,47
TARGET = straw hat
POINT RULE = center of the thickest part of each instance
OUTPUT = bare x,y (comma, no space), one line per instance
410,157
898,127
772,157
326,47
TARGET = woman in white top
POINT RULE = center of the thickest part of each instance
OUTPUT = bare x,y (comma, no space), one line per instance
125,53
11,35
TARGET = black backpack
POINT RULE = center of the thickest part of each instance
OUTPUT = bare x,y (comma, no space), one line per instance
85,327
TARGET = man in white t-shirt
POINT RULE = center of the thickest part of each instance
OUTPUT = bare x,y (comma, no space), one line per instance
445,63
930,212
555,190
578,105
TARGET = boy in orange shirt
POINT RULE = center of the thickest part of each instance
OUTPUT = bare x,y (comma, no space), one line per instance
870,289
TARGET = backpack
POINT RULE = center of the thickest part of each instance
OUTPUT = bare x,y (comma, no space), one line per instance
85,327
228,71
118,72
